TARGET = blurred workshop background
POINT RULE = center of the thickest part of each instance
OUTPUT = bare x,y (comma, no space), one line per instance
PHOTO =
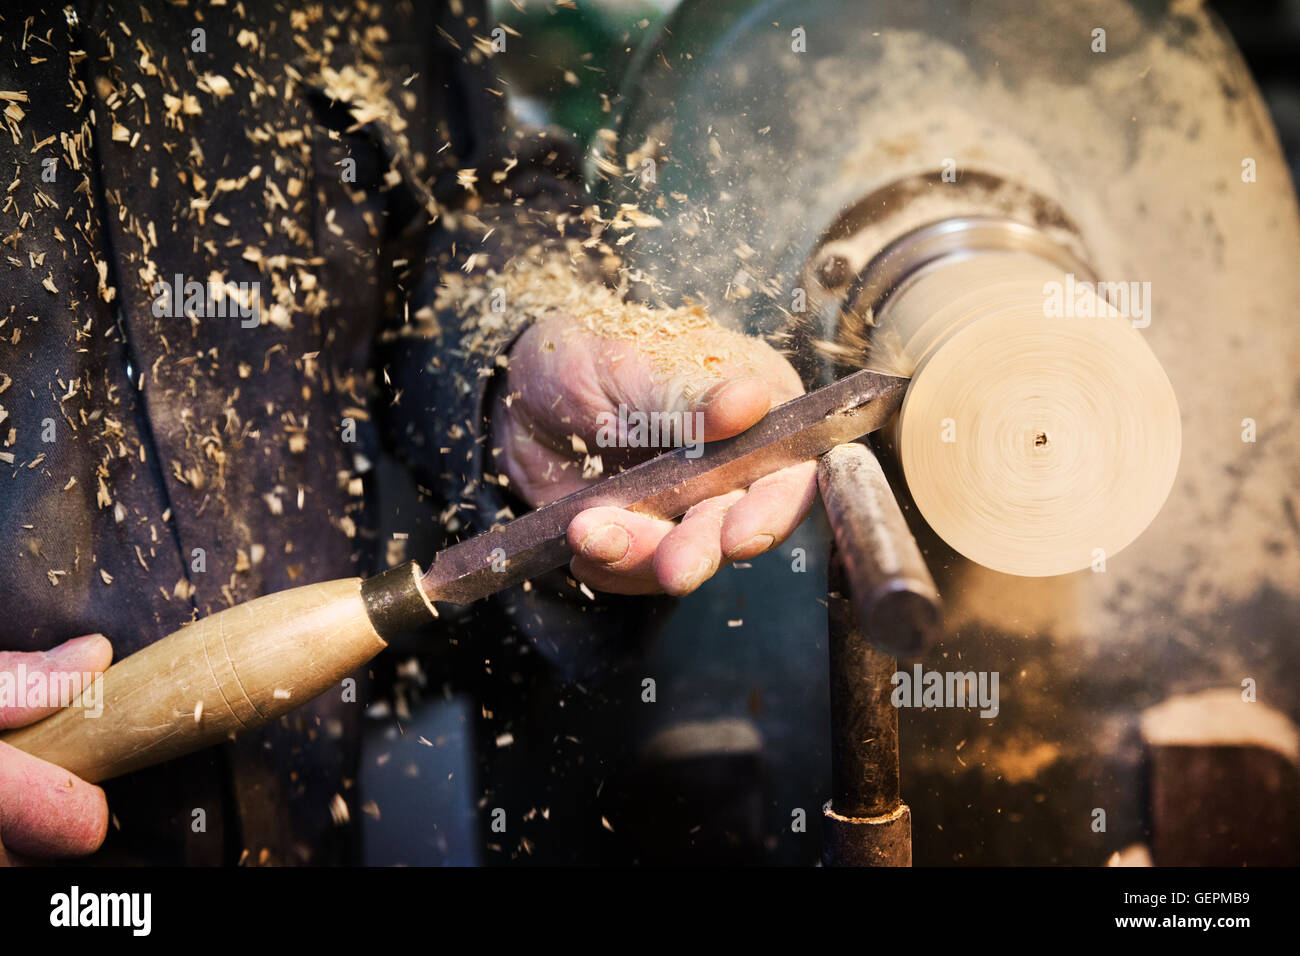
569,59
566,63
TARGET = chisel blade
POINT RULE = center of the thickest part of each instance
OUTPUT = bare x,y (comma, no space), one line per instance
668,485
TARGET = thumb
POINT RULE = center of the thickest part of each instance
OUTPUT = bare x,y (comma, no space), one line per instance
39,681
731,406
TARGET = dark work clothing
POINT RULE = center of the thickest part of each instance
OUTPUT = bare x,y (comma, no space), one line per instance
160,467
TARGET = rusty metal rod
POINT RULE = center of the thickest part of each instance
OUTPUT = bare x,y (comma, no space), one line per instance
890,586
864,724
881,599
865,823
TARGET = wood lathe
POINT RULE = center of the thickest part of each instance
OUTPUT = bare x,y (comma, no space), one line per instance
926,187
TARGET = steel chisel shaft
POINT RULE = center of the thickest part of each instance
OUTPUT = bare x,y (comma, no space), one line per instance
668,485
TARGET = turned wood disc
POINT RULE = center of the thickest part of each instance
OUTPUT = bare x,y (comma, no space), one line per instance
1034,445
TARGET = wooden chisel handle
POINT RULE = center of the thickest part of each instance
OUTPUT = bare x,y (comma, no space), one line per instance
220,676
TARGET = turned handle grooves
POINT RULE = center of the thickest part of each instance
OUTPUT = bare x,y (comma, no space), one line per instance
245,666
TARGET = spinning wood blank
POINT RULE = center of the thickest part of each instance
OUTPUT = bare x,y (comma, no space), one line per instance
1033,445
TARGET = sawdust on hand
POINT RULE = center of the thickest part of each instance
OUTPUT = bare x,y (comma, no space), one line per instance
674,341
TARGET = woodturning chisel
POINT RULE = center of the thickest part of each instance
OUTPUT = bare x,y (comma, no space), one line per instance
240,668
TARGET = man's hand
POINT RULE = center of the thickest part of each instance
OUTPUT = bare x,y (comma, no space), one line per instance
44,810
563,378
